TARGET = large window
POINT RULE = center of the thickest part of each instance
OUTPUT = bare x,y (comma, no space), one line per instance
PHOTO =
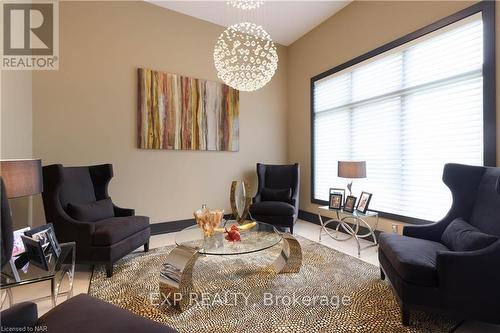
407,112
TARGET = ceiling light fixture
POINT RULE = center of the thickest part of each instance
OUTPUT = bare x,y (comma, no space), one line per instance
245,56
245,4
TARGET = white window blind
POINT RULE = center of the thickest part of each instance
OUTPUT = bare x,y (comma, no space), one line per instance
407,112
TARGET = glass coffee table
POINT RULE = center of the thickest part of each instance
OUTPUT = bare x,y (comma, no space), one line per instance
176,279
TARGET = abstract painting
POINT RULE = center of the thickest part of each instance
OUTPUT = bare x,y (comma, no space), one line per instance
180,112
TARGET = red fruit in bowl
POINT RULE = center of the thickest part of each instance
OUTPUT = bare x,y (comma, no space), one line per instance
233,235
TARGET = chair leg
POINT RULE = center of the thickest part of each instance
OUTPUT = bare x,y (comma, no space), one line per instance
146,247
109,269
291,229
405,315
382,274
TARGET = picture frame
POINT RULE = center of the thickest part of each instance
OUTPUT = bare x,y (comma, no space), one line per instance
364,201
53,241
350,203
47,237
335,201
18,245
338,190
36,252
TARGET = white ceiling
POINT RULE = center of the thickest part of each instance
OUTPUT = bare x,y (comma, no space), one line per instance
285,21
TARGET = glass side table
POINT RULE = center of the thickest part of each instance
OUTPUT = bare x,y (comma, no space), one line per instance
342,218
58,269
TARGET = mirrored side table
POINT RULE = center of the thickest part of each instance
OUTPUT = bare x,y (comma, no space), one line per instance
58,268
350,225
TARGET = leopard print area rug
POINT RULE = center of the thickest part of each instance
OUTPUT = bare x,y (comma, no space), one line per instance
333,292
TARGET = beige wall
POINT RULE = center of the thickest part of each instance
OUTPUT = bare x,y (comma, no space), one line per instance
85,113
16,116
358,28
16,131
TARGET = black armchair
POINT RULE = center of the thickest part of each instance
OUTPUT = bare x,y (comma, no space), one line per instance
428,275
6,232
81,313
277,198
103,241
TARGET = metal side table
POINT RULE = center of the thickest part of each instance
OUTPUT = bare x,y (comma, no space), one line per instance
58,268
341,218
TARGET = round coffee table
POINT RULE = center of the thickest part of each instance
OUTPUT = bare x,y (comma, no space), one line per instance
176,279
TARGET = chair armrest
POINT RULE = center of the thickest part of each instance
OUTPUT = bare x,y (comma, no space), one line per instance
69,224
22,315
432,231
80,227
70,230
257,198
472,275
123,211
294,200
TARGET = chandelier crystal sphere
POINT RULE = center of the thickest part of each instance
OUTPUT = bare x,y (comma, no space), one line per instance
245,4
245,56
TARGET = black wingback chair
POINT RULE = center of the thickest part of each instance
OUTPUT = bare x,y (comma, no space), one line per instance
277,198
6,236
97,242
427,274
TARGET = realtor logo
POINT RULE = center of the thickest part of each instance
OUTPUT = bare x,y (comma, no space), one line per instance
30,35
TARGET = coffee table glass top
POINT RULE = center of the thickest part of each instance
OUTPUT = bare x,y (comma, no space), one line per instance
258,238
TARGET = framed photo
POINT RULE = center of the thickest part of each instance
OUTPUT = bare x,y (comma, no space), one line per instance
339,191
47,237
335,201
350,203
18,246
364,201
56,248
36,252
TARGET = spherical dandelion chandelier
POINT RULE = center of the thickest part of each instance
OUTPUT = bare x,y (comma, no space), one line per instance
245,4
245,57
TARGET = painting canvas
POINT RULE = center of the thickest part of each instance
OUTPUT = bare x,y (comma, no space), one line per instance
180,112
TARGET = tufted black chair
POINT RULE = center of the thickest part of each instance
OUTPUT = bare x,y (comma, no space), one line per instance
426,274
101,242
280,210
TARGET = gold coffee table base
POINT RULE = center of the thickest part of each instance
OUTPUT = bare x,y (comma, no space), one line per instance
290,259
176,277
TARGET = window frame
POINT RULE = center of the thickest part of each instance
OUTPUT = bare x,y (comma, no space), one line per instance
487,8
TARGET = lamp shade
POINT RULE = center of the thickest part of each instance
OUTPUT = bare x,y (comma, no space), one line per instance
22,177
348,169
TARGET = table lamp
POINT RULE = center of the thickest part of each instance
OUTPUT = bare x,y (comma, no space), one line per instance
22,177
351,170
